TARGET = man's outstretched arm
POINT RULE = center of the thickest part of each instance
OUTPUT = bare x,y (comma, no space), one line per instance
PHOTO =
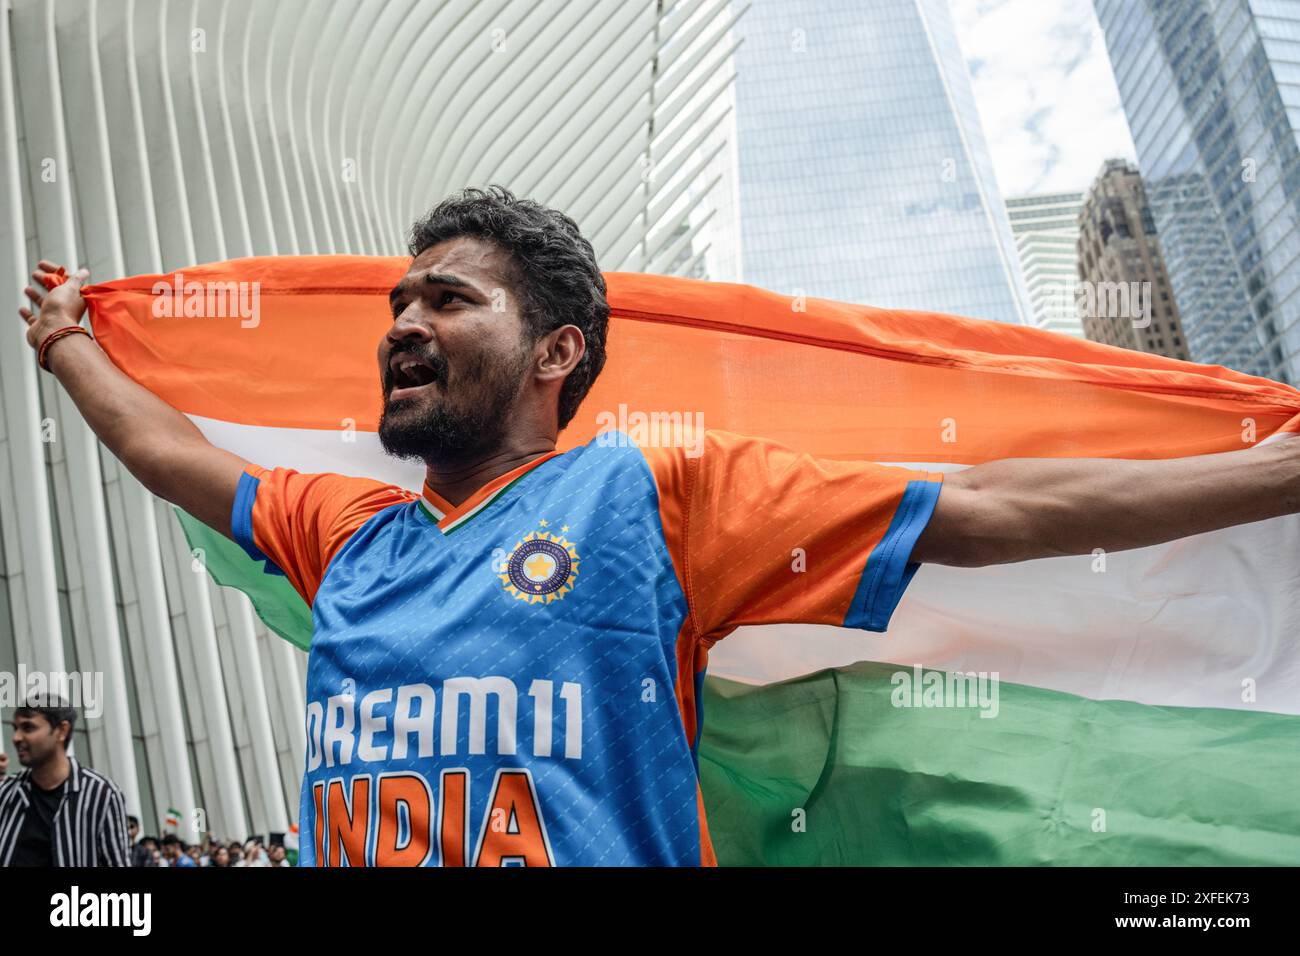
1022,508
158,444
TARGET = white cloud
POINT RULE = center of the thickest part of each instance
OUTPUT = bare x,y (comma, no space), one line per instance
1046,94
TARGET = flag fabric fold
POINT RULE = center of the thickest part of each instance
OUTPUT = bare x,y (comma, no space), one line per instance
1137,707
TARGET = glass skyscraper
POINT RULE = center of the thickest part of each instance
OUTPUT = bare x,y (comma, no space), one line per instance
1212,93
864,174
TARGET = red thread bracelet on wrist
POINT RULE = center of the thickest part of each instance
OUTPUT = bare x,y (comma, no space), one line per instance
54,337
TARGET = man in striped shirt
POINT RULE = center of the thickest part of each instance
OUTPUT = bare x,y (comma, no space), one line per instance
57,812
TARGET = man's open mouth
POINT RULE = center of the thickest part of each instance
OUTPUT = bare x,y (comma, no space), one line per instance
408,373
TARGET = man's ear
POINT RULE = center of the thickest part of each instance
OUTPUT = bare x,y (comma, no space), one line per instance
561,351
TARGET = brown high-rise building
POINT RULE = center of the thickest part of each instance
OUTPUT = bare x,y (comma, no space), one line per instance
1124,297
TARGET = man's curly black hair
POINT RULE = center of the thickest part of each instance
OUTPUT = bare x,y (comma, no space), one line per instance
555,272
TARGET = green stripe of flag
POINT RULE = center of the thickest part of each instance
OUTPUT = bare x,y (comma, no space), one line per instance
279,606
1053,778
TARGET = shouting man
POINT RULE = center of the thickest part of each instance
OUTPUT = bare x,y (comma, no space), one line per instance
539,704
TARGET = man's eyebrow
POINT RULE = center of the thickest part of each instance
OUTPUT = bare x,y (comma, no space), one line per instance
430,278
446,278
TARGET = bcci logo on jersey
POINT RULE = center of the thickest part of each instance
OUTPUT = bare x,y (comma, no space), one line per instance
541,567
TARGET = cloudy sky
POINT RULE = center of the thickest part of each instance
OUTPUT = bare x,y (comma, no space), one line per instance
1046,93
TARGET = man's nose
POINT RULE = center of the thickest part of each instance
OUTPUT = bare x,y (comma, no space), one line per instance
409,327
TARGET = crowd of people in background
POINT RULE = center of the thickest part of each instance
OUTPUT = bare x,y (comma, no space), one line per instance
171,850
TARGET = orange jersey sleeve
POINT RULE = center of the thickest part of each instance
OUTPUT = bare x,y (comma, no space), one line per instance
297,523
761,534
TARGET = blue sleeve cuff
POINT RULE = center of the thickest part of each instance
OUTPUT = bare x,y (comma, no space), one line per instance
241,521
888,571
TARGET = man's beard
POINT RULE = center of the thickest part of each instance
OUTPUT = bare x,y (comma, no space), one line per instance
448,434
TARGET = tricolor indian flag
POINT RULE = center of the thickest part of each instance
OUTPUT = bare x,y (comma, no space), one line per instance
1137,707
